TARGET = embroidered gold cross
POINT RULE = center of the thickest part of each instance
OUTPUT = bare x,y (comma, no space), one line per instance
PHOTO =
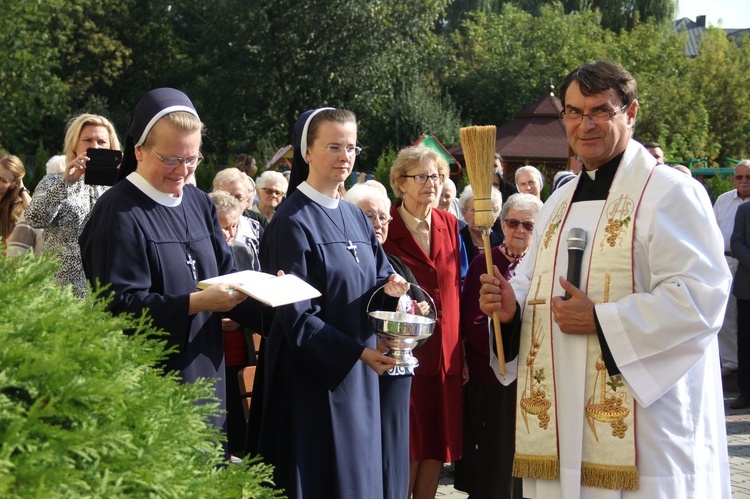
537,301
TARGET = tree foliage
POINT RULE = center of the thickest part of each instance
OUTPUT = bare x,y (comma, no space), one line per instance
616,15
504,62
403,67
85,412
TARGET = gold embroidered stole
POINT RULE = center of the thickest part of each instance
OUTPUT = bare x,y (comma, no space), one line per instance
609,448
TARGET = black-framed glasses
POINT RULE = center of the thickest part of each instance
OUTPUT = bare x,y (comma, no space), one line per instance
513,224
574,116
174,161
421,179
382,218
336,150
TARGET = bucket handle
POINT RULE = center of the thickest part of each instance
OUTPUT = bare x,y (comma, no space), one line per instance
434,307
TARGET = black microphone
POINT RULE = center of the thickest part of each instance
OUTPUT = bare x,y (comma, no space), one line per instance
576,245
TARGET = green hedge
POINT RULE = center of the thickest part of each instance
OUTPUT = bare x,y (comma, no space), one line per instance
84,412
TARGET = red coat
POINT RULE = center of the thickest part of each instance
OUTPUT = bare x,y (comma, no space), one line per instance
439,274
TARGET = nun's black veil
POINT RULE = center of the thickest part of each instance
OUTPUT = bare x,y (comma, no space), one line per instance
150,109
300,168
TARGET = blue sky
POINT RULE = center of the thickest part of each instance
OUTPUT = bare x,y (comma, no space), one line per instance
732,13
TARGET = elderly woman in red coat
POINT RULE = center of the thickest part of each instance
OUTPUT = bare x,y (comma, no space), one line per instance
426,240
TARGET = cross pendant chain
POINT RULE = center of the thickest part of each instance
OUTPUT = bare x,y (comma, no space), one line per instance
353,250
191,263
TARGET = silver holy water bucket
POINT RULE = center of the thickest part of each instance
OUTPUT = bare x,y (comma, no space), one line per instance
400,332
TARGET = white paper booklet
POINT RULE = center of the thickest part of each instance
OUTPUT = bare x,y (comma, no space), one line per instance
269,289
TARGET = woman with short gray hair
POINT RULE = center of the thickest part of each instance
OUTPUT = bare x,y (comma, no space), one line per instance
471,234
272,188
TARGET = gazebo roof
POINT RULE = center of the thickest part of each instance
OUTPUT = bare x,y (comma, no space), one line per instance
536,135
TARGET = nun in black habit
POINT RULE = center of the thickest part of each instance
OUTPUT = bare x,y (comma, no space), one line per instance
151,238
321,406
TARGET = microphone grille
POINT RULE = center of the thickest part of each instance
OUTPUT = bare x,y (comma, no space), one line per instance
577,239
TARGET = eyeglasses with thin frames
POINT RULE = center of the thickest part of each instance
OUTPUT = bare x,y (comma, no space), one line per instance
421,179
513,224
272,192
739,178
382,218
336,150
175,161
599,116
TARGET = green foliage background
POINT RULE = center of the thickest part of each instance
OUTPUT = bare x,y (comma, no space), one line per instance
84,412
405,68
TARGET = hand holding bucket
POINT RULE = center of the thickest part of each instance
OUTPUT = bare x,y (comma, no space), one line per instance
401,332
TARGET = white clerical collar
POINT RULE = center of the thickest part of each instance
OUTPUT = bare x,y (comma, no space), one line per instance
316,196
149,190
591,174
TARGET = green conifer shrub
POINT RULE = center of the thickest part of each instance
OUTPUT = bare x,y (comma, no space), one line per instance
86,412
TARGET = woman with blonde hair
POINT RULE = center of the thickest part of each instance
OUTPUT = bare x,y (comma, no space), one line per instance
62,201
427,240
14,198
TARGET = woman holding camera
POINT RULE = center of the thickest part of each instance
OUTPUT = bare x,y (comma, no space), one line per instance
62,201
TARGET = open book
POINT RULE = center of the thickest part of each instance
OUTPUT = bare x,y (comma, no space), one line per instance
269,289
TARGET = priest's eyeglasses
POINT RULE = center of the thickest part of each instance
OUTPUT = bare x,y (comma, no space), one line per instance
336,150
573,116
382,218
175,161
421,179
513,224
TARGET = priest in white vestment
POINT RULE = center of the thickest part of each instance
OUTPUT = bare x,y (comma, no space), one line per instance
619,386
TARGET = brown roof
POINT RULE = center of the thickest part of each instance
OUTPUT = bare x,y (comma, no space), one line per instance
536,135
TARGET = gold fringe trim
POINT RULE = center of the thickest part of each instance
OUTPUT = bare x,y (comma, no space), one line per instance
530,466
610,477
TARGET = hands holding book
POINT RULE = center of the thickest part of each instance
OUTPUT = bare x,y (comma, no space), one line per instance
223,293
215,298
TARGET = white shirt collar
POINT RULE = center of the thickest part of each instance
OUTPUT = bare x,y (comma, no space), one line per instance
316,196
149,190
